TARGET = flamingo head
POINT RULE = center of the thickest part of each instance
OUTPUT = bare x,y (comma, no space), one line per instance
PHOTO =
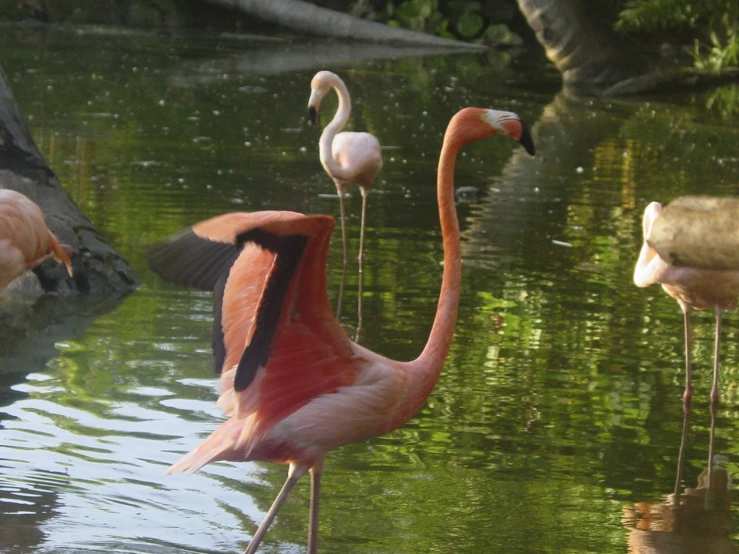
472,124
60,252
322,82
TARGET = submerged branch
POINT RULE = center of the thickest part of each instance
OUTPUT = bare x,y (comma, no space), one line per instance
673,81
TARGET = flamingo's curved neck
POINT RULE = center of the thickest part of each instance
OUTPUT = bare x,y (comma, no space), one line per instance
425,369
332,129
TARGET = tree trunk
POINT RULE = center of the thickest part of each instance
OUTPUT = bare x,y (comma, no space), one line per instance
98,269
308,18
588,56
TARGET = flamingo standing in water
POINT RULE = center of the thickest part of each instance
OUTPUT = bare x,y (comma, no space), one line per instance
348,158
25,242
702,289
293,383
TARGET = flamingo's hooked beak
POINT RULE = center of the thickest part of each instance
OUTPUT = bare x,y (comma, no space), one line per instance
59,252
62,254
519,131
525,140
314,103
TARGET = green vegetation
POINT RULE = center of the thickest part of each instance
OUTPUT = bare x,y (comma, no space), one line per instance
714,22
465,20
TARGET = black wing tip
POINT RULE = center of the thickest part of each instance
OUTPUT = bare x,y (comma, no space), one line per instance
186,258
271,241
161,254
244,377
526,140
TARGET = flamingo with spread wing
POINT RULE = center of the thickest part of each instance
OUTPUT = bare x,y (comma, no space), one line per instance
293,384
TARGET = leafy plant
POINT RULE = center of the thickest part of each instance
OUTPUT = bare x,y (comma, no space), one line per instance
719,55
464,19
717,17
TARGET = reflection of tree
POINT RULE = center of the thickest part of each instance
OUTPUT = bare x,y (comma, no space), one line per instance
565,136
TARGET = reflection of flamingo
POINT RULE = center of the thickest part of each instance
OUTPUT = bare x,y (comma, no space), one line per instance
691,520
702,289
348,158
25,242
294,385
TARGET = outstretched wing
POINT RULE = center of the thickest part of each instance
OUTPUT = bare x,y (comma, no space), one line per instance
200,255
281,347
205,256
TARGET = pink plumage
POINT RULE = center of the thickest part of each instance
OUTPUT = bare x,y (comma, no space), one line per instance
693,288
25,242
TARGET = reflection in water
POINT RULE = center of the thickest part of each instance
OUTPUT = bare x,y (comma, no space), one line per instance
26,502
30,329
697,520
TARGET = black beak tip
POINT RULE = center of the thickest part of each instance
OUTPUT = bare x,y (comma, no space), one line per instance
526,141
312,115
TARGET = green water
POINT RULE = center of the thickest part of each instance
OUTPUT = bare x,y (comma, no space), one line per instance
558,413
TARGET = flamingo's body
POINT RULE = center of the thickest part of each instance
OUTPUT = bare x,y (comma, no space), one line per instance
25,242
349,158
293,384
693,288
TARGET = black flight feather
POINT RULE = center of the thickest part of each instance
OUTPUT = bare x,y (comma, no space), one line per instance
288,251
190,260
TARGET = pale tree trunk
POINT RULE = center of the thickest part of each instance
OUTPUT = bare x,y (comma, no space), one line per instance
98,269
588,55
311,19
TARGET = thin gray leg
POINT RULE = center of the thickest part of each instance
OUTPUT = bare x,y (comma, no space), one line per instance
293,476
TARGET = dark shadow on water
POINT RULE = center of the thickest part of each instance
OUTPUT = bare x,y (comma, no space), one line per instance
24,507
30,328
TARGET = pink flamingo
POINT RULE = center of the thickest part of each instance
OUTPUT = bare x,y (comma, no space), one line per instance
348,158
25,242
702,289
293,383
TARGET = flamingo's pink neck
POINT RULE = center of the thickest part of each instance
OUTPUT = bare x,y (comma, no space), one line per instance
424,370
333,128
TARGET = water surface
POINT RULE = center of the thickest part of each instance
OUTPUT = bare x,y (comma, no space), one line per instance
557,422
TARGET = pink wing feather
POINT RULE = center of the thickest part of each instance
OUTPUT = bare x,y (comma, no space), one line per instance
308,353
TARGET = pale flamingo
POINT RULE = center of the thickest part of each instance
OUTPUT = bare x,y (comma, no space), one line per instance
293,383
349,159
702,289
25,242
